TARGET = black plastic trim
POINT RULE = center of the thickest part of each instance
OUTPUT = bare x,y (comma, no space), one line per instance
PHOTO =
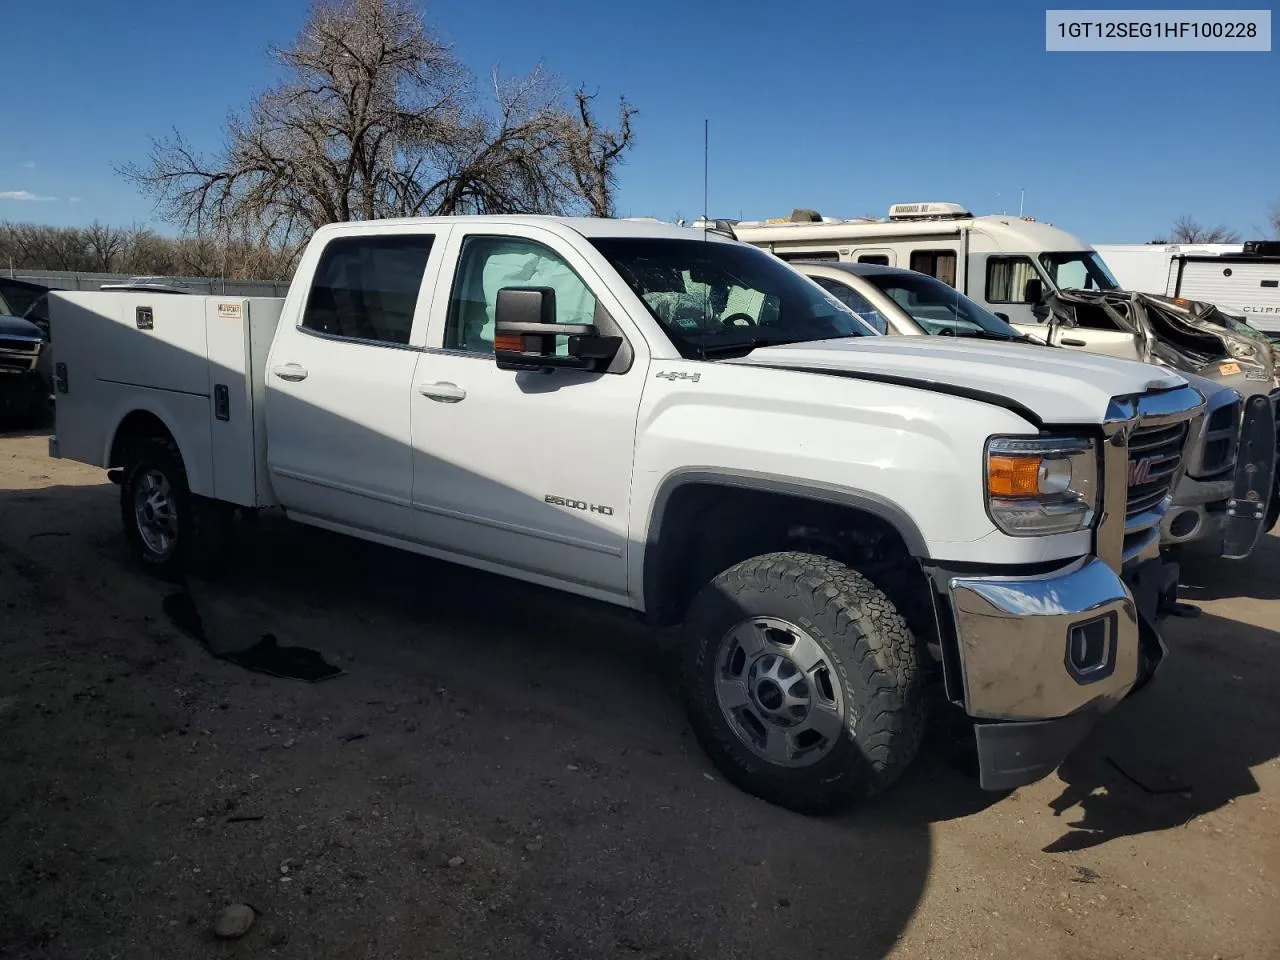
933,386
655,554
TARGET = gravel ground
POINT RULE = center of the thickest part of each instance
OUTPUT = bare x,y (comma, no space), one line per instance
501,772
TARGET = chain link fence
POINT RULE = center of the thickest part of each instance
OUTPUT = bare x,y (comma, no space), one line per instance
212,286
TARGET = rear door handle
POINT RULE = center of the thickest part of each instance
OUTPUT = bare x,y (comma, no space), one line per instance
1069,342
444,391
290,371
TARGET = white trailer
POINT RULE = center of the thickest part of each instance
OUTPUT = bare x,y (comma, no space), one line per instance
1241,279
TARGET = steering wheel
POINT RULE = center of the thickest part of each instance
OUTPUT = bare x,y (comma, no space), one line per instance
947,332
738,319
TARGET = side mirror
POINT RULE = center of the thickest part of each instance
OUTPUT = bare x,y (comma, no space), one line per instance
527,337
1034,290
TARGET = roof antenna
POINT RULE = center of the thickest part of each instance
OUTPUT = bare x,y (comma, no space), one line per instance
706,140
1022,195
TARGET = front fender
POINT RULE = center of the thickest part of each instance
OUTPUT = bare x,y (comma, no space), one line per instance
908,454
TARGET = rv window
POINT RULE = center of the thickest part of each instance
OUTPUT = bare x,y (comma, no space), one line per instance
1007,279
881,259
936,263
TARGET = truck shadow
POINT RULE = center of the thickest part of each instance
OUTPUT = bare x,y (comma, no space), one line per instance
1211,578
1183,747
564,719
561,720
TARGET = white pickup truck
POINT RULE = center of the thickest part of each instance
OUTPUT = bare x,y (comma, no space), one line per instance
678,424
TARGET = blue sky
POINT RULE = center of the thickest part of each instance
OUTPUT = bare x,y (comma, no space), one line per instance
845,107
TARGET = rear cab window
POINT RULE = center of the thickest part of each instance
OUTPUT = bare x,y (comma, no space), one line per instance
365,288
854,301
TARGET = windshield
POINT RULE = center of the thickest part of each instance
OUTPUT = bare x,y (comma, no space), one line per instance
714,298
1078,270
937,307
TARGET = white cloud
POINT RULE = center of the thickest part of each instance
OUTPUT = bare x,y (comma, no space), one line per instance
22,195
30,164
73,199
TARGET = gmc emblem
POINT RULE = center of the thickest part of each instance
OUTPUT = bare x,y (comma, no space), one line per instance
1140,470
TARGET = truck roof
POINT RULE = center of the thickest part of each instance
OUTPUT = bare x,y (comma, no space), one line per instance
584,226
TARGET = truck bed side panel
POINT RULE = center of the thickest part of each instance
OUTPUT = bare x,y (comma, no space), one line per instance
169,354
239,337
119,362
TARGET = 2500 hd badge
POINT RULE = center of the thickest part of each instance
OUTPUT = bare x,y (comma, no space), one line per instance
579,505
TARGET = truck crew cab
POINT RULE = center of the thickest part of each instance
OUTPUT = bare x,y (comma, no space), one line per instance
678,424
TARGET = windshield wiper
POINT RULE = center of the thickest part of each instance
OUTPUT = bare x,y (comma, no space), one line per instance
707,351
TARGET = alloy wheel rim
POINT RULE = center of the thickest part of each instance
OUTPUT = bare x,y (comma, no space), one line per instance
155,512
777,689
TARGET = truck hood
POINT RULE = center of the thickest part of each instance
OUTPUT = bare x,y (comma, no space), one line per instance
1052,384
16,326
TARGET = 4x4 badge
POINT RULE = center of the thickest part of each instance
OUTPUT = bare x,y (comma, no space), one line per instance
678,375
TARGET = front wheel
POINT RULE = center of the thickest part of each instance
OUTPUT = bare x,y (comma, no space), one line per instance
802,681
169,528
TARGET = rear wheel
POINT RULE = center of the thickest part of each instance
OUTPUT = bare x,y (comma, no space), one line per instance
169,529
802,682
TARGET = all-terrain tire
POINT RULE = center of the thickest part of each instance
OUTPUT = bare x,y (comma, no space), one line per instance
203,526
869,652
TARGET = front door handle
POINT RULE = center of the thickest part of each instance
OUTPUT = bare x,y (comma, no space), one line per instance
290,371
444,391
1070,342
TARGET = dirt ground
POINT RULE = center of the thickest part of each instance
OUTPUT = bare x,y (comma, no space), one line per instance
501,772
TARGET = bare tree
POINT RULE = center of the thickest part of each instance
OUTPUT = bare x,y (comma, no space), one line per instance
1187,230
376,118
103,249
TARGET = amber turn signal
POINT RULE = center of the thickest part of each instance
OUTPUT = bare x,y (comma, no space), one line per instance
509,342
1013,476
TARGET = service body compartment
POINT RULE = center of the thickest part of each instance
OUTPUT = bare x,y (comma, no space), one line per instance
195,363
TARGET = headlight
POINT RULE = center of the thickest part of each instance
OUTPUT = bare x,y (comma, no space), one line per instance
1038,486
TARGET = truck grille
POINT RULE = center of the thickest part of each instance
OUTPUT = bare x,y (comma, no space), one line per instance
1155,453
1221,434
18,354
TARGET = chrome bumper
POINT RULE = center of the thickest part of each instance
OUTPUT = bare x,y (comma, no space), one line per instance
1040,647
1043,657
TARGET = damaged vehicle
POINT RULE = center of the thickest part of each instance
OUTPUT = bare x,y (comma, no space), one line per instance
1223,503
1228,496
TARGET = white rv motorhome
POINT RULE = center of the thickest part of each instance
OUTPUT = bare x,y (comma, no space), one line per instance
1241,279
1005,263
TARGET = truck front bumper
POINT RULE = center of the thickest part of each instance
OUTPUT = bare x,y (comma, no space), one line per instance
1042,657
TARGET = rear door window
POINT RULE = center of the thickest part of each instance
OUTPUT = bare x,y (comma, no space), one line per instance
366,288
